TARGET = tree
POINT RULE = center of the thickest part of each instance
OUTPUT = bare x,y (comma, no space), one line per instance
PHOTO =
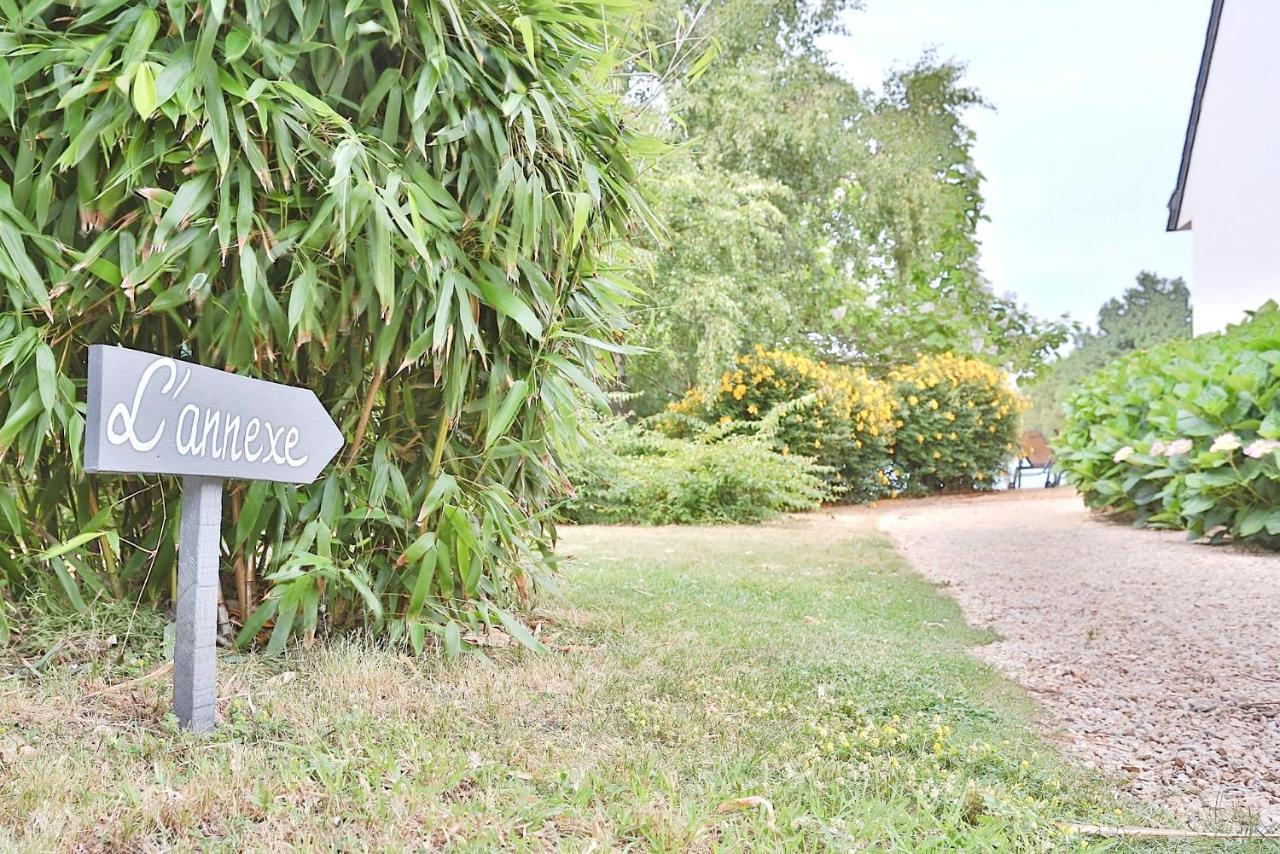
912,206
741,270
1154,310
408,207
866,250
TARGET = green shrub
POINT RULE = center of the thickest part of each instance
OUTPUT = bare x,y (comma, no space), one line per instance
634,475
1185,435
839,416
404,206
957,423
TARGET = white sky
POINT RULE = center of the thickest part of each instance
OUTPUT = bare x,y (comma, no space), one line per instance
1081,152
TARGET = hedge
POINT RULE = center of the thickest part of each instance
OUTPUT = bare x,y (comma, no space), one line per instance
634,475
1185,435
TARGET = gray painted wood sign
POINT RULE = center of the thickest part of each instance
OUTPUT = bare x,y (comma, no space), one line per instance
149,414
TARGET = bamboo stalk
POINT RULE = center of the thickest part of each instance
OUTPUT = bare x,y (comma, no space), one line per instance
108,558
239,566
365,413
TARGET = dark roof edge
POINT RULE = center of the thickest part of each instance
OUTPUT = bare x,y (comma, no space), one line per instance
1202,80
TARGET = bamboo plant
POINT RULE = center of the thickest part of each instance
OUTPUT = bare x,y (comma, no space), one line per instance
408,206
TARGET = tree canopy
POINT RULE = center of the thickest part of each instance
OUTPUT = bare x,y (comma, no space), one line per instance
1151,312
803,210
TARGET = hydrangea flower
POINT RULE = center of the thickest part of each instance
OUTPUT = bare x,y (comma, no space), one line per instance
1225,442
1178,447
1123,454
1261,448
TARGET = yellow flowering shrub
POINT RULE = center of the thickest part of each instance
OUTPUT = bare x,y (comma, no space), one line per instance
839,416
957,423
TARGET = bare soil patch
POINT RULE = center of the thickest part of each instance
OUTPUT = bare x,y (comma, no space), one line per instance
1153,658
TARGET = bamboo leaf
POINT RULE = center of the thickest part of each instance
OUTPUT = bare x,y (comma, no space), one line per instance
71,545
47,376
256,621
452,640
6,90
422,583
301,295
286,613
507,412
581,212
370,600
145,99
503,297
524,24
519,631
20,414
218,124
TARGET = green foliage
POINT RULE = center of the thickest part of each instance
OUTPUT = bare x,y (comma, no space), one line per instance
1153,311
839,416
638,476
911,205
957,422
1186,434
404,206
941,423
806,209
737,275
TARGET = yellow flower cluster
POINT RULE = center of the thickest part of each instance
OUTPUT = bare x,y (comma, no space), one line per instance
956,417
839,415
930,371
941,422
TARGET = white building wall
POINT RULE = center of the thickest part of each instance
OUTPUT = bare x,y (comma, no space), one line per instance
1232,194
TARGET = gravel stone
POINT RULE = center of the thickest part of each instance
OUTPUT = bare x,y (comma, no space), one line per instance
1156,658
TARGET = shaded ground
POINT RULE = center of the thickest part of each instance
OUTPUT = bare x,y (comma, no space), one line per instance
1158,659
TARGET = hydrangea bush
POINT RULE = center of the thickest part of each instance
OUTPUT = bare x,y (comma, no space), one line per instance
957,422
1185,435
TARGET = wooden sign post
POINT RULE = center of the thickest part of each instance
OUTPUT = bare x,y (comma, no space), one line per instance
148,414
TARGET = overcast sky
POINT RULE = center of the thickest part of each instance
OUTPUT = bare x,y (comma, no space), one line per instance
1081,150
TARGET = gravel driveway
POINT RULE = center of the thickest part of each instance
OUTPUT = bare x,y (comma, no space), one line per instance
1153,658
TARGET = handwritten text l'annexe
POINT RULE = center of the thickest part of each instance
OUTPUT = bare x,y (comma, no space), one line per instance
208,433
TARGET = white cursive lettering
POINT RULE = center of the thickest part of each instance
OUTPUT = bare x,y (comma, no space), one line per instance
187,444
291,442
128,415
203,431
251,435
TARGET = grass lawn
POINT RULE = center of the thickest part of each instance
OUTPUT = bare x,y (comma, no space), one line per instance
799,666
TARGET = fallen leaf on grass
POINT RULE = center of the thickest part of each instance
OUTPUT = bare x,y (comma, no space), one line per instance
575,647
749,802
493,638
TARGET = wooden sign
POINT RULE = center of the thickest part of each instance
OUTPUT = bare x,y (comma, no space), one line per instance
149,414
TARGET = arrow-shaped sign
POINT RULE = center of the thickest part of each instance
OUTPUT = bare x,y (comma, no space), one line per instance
149,414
